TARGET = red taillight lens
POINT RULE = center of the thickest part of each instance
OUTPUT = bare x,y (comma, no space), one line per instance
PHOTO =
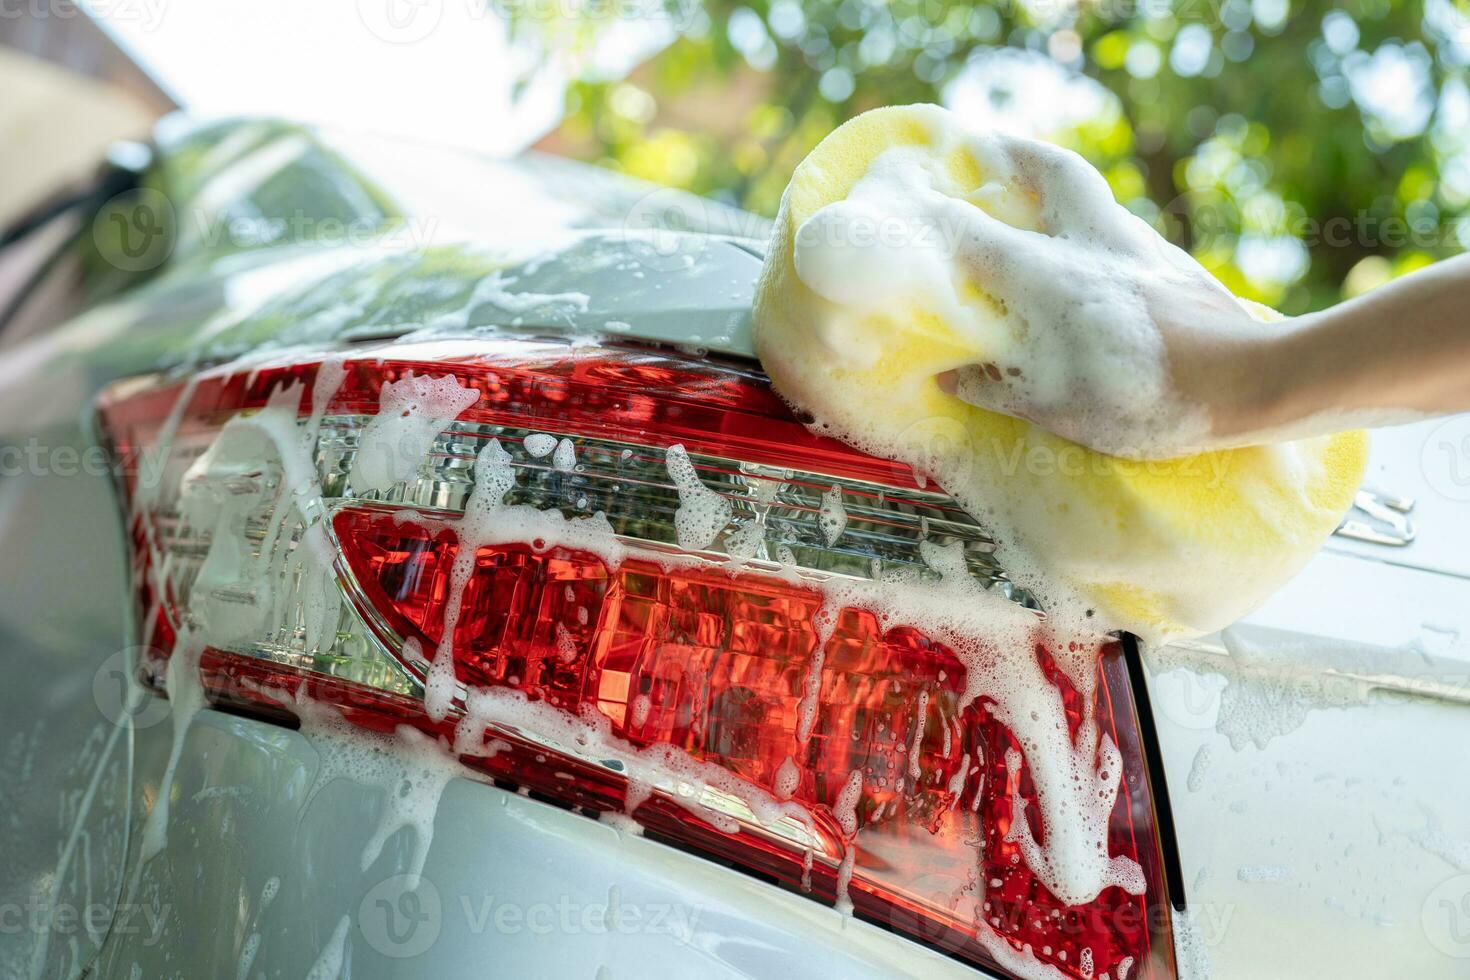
698,693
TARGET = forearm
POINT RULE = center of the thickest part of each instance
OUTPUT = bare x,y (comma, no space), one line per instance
1401,349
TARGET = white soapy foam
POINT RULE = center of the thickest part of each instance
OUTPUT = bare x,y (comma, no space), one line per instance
1198,768
1020,962
788,778
1073,328
702,512
565,457
957,781
248,949
221,489
1271,689
489,520
206,503
1076,781
1273,681
308,568
539,444
1191,953
328,965
493,290
411,768
1433,838
683,779
806,708
411,413
566,646
1051,316
251,946
1258,873
918,739
832,518
744,543
844,808
641,707
186,699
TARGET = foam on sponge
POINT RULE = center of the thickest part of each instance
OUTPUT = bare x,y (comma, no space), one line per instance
894,239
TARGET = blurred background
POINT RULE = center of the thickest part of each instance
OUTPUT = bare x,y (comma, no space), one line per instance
1302,152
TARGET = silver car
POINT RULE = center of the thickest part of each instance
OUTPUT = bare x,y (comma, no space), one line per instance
333,406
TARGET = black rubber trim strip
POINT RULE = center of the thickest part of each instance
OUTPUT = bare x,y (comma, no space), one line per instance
87,202
1148,736
90,196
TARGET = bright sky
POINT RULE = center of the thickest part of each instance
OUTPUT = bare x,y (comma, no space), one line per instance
441,71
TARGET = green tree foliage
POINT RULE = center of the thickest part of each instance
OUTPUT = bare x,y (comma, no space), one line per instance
1301,152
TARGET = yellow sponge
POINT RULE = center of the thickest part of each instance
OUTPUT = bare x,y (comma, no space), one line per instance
1163,548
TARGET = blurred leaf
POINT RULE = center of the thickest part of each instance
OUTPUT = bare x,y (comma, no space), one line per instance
1252,133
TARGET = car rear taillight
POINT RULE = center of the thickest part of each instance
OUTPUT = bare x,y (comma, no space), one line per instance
631,581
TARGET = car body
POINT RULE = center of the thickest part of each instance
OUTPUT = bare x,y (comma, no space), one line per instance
1311,755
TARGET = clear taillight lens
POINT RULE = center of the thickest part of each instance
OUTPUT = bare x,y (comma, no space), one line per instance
696,694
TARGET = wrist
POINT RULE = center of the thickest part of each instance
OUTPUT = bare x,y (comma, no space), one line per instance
1284,355
1252,376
